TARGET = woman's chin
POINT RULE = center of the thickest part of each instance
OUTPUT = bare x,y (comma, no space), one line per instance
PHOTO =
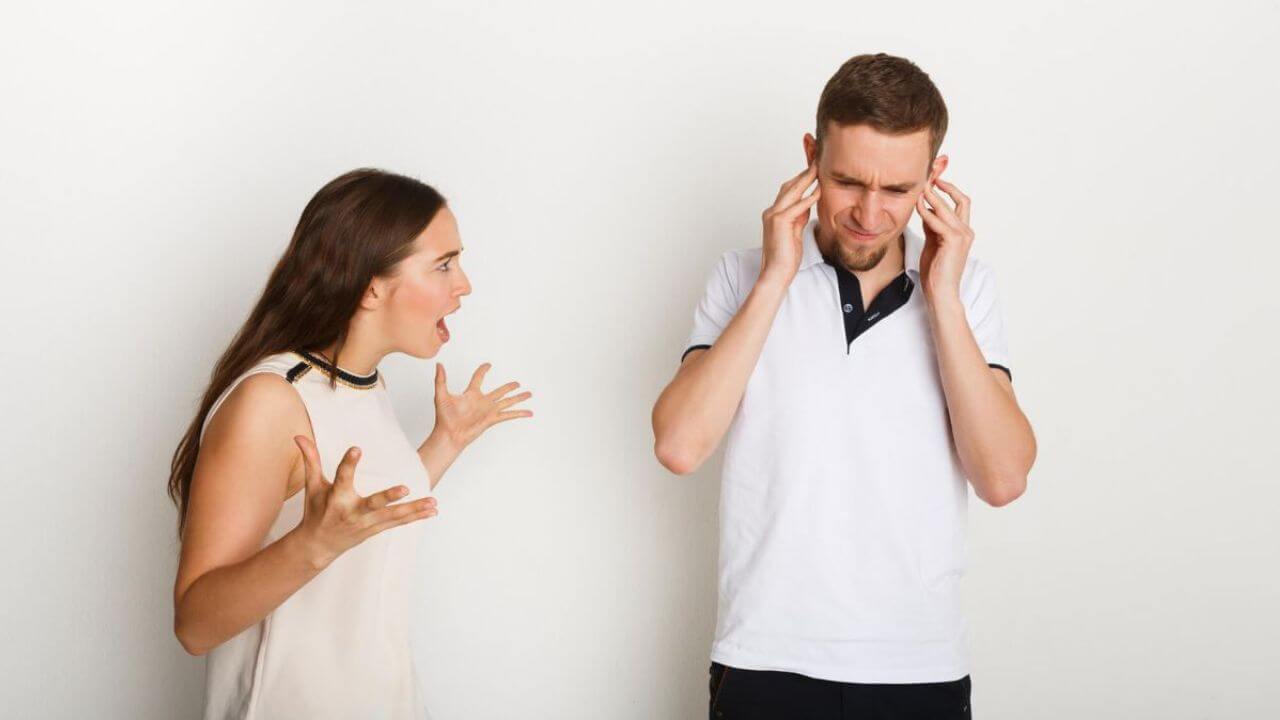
426,346
425,351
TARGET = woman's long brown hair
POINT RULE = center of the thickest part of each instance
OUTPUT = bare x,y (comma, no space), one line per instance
355,228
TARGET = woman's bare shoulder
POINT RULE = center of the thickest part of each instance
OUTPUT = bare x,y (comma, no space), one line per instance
262,407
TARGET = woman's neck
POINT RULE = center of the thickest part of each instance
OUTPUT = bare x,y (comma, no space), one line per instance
357,358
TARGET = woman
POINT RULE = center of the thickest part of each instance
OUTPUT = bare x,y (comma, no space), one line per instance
298,493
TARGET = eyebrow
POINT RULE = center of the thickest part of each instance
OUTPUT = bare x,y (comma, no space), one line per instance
900,187
446,256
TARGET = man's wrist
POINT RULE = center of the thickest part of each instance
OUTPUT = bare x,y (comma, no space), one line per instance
945,306
772,283
946,309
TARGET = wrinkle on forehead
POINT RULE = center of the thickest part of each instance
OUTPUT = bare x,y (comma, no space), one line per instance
863,153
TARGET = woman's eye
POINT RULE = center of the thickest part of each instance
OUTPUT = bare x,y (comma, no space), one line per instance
445,265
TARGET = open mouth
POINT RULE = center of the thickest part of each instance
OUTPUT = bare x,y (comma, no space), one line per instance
442,329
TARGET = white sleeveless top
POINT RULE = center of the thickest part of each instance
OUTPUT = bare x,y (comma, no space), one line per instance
338,648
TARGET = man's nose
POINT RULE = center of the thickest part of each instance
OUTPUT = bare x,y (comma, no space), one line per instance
868,210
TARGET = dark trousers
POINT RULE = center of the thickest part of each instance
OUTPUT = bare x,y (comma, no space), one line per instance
768,695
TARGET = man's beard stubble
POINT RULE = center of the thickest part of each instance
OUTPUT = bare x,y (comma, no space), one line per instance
859,260
855,261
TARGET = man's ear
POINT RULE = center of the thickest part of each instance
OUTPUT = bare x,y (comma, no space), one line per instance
936,167
810,149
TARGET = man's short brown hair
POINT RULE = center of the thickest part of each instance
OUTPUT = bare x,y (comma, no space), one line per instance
890,94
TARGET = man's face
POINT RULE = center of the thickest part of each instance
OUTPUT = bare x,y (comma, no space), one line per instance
870,182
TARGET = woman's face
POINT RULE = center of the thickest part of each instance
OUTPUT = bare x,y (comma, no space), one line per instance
423,288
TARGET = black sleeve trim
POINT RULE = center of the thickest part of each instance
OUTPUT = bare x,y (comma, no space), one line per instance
296,372
691,349
1001,367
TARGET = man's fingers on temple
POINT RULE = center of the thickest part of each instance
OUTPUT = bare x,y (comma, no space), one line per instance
797,184
941,207
961,200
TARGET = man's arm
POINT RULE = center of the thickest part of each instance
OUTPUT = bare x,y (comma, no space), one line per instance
993,438
693,413
695,410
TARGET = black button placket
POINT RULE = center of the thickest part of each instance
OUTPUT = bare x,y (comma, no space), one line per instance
857,319
850,303
893,296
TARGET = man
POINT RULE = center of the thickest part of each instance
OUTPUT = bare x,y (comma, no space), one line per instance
861,374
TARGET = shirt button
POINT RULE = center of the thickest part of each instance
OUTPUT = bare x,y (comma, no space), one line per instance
848,308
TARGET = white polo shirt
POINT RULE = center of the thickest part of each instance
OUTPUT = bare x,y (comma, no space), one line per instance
842,505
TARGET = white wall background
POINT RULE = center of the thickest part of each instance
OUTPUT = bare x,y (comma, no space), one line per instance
1121,158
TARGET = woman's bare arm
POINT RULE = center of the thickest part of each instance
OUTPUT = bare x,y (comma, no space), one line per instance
249,464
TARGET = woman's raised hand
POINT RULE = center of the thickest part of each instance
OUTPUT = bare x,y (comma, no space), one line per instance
463,417
335,518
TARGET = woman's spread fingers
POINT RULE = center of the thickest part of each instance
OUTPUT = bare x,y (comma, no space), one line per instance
379,500
310,462
505,403
345,477
478,376
405,512
442,382
378,527
503,390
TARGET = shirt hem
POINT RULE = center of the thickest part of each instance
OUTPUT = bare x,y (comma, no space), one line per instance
840,673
